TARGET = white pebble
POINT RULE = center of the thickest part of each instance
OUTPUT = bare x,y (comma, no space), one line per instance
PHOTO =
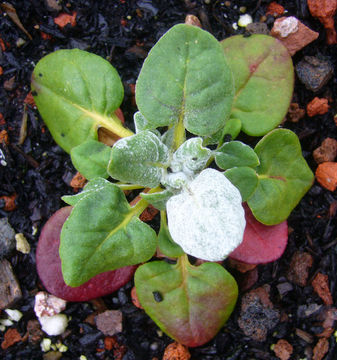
244,20
48,305
45,344
6,322
14,315
286,27
54,325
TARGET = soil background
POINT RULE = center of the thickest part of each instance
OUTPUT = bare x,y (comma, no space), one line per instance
38,173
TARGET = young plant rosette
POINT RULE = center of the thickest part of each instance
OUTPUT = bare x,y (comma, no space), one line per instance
195,95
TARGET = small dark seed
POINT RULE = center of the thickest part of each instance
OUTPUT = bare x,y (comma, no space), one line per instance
34,93
40,75
157,296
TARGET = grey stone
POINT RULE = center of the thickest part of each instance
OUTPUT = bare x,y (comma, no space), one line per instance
53,5
314,73
7,238
258,28
257,315
10,291
109,322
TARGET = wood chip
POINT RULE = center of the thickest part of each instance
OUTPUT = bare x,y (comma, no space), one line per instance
10,290
11,12
304,336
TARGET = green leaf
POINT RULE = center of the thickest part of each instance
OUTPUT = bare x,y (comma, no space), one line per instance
264,80
188,303
243,178
104,233
165,242
139,159
76,93
232,128
207,219
235,154
158,199
185,81
91,159
91,187
140,122
191,156
284,177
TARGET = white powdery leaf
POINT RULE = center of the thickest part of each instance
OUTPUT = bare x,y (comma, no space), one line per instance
207,219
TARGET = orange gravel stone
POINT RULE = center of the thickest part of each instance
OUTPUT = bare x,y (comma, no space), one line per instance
176,351
325,11
317,106
275,9
321,287
64,19
9,202
293,34
326,175
78,181
11,337
321,348
283,349
4,137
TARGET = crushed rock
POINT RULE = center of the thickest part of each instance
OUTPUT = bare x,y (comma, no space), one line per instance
257,315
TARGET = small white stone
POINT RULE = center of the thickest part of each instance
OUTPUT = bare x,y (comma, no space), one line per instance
22,244
14,315
54,325
6,322
45,344
2,327
286,27
235,26
244,20
48,305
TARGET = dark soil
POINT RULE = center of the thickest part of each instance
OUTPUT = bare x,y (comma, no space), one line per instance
39,172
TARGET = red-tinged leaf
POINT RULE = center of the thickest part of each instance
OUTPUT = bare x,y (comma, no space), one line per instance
261,243
48,264
189,303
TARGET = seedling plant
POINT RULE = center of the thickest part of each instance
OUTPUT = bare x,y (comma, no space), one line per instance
217,196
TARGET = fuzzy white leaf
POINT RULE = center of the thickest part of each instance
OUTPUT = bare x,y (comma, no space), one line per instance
191,156
207,219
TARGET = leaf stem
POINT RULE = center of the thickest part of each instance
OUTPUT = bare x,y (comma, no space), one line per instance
114,125
142,204
179,135
123,186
